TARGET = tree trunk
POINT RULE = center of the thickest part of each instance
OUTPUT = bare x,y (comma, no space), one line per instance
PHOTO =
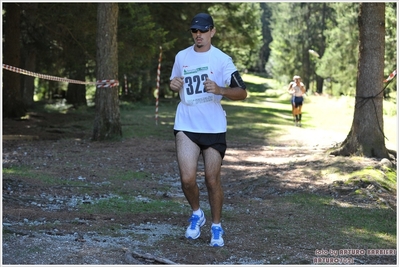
322,48
319,84
107,119
307,77
29,54
76,93
29,81
13,106
366,137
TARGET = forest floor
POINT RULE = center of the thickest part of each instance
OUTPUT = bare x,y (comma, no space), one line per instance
43,223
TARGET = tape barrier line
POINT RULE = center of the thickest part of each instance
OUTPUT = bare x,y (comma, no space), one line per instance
158,80
99,83
107,83
390,77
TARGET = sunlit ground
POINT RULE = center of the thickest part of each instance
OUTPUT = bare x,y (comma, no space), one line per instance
328,117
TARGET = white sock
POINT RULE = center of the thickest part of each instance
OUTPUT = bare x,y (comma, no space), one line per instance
197,212
216,224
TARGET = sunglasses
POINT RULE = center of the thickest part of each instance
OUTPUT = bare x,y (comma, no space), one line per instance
201,31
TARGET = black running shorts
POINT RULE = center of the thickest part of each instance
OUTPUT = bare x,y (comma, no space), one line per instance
298,101
206,140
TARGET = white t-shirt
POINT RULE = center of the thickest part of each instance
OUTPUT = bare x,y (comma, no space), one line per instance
199,111
296,90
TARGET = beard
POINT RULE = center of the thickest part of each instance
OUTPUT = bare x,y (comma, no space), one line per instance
199,45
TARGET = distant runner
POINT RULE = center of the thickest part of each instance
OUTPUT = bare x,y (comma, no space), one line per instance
297,90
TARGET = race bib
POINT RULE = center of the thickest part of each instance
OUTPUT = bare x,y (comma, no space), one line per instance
194,89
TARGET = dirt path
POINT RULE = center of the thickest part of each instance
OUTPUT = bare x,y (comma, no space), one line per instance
42,223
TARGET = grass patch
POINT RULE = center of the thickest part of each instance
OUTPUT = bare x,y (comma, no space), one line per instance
131,205
39,176
138,120
340,224
257,83
387,179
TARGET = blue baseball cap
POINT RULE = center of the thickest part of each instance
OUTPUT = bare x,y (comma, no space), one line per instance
202,21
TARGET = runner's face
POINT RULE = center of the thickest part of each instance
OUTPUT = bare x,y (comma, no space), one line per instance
203,40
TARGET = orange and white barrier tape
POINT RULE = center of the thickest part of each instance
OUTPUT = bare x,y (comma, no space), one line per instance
107,83
157,90
99,83
390,77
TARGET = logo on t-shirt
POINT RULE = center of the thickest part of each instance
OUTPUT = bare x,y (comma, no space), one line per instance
195,70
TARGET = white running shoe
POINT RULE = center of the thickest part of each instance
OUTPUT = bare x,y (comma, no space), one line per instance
217,239
194,229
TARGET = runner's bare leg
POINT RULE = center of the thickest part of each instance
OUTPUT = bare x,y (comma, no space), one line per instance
187,158
213,163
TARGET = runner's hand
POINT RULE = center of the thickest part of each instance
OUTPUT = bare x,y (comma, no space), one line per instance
211,87
176,84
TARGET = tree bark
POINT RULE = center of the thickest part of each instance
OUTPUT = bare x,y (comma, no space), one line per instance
29,54
322,48
13,106
107,119
366,137
76,93
29,81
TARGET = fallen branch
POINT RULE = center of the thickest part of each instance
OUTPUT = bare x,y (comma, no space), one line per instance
148,256
20,137
129,258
